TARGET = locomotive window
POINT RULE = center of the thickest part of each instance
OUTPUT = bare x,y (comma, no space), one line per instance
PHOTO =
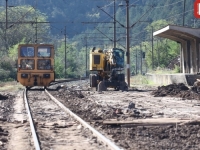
44,64
27,64
96,59
27,51
44,52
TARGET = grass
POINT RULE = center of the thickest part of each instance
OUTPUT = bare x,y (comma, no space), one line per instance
159,70
141,80
10,86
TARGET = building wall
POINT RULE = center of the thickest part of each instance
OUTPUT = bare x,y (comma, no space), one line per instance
166,79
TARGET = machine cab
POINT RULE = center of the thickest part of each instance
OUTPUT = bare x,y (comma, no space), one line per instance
117,58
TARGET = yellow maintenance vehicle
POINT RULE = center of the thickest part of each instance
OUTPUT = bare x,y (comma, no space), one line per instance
107,69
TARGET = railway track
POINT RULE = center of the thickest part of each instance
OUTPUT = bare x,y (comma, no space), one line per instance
54,126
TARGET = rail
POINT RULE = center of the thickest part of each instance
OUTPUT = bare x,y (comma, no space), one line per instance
67,80
101,138
35,137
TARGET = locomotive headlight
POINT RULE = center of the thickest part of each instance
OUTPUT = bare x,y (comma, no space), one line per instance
19,66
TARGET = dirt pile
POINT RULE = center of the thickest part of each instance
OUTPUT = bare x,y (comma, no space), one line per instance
177,90
3,97
3,138
6,103
158,138
6,109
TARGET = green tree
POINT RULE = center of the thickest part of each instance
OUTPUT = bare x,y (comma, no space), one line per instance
75,65
22,27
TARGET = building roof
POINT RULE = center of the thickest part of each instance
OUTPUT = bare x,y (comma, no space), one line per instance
178,33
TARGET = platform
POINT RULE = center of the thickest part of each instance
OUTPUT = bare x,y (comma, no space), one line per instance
166,79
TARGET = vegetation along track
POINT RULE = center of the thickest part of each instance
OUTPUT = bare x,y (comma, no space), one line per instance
58,128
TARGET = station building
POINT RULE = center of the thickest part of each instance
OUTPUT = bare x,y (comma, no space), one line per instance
189,39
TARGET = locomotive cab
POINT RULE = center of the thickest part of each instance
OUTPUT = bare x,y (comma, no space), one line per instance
35,65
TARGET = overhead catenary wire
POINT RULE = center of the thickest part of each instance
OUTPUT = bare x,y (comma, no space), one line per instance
180,13
112,16
169,4
145,16
108,5
170,15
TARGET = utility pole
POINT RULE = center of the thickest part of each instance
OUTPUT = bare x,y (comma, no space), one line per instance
86,57
114,20
36,31
6,25
6,14
152,48
141,59
158,51
136,63
145,56
184,13
127,43
65,51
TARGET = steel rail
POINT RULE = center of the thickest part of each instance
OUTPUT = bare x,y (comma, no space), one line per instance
102,138
67,80
35,138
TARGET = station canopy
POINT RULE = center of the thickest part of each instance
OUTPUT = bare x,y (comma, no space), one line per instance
178,33
189,38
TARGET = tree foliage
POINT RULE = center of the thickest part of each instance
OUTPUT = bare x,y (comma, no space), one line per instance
21,26
89,26
75,60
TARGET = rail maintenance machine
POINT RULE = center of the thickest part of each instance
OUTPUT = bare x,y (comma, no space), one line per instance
35,65
107,67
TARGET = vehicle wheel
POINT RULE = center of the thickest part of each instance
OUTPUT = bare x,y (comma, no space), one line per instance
91,79
101,86
123,86
28,87
94,80
117,88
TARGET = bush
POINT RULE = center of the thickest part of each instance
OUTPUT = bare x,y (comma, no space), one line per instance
4,75
177,69
8,69
6,65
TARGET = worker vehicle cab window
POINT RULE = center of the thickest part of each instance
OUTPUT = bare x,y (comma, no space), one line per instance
27,51
27,64
119,58
44,64
44,52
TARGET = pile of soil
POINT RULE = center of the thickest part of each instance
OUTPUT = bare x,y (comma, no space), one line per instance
3,138
6,105
177,90
158,138
6,109
3,97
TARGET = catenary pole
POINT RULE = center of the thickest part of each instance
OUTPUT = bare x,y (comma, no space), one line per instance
127,43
